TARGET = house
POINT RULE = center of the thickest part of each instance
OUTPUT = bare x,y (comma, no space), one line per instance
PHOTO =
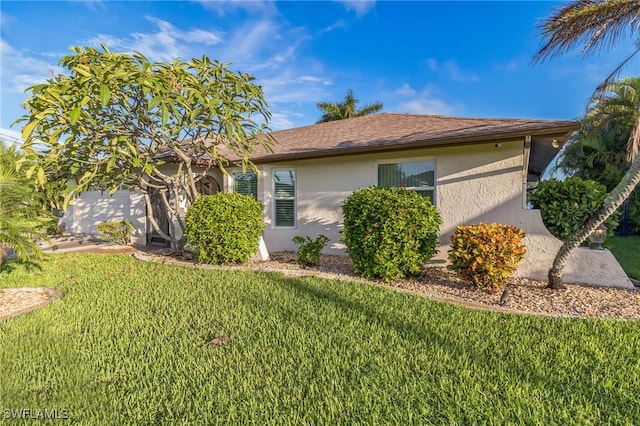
473,169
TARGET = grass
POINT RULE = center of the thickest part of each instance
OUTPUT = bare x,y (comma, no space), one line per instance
627,251
127,345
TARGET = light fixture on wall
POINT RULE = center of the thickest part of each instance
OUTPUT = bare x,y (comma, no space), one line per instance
555,143
598,237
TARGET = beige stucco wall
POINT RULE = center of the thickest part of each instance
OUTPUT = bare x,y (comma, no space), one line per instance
475,183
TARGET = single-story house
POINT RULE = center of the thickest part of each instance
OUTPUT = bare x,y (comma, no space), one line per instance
473,169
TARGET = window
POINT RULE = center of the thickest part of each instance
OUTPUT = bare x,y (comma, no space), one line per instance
284,198
246,183
418,176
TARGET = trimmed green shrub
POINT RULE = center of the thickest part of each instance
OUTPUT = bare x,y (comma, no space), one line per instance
309,251
486,254
389,232
565,205
224,227
116,231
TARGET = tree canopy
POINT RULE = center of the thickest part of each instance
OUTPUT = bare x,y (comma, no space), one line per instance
600,150
112,119
348,108
595,25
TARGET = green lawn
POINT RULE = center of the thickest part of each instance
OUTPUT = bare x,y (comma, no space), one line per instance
627,251
127,345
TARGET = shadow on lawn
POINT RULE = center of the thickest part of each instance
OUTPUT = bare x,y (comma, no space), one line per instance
527,332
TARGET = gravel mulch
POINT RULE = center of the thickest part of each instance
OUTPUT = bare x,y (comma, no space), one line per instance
18,301
524,296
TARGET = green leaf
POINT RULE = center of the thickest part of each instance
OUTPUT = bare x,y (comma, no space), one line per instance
42,178
155,102
105,94
111,163
83,70
148,168
75,114
28,129
165,114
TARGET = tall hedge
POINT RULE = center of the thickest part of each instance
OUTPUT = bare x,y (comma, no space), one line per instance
224,227
565,205
389,232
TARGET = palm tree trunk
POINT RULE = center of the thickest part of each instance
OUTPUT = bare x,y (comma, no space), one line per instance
611,203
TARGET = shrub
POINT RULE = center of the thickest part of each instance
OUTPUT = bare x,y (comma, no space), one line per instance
224,227
309,251
389,232
116,231
486,254
565,205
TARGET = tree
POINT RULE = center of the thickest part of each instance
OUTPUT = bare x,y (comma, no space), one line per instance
599,150
20,221
595,25
117,119
348,108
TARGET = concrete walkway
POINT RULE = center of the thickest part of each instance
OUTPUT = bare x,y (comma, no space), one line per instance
68,243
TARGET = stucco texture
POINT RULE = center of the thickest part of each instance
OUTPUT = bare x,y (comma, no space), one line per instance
474,183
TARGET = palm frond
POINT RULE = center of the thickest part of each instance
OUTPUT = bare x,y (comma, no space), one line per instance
594,24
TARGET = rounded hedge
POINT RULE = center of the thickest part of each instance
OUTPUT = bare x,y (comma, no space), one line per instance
565,205
389,232
224,227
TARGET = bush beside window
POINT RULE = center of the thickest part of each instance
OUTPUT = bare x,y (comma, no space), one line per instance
224,227
309,251
389,232
565,205
486,254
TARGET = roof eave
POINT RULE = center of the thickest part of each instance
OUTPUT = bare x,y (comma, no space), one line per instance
561,132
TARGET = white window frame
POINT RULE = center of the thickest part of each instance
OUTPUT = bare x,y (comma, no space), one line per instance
414,160
275,198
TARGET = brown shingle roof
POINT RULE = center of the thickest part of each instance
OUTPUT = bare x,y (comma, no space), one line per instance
388,132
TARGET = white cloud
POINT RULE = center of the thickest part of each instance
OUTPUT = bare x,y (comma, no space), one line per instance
18,71
9,137
451,70
432,64
339,24
312,79
280,121
360,7
164,45
221,7
405,90
423,102
427,106
93,4
512,65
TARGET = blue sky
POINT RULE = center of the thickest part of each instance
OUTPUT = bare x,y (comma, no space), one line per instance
452,58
